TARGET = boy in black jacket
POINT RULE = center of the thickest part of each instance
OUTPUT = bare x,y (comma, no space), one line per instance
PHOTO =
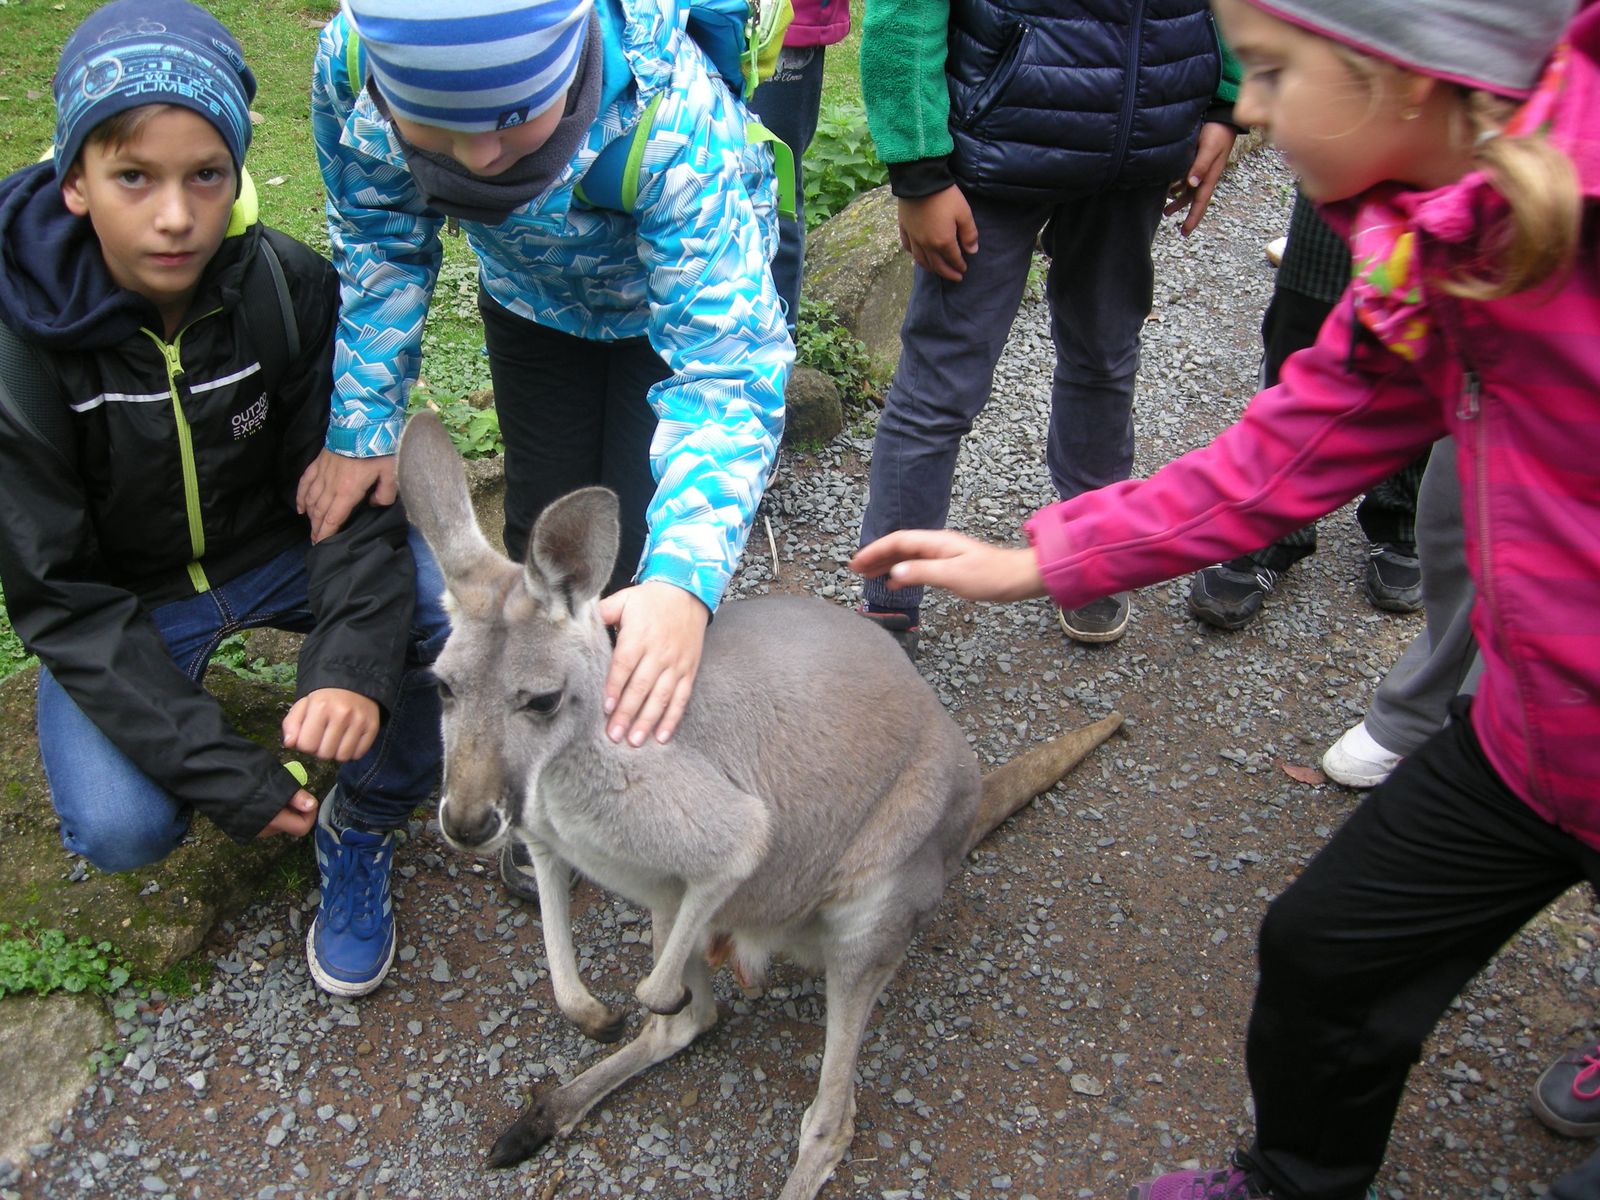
165,520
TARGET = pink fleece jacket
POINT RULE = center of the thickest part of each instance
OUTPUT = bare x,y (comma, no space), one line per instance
818,23
1516,381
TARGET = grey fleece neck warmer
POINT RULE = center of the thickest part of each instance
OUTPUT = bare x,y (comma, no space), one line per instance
1498,45
451,189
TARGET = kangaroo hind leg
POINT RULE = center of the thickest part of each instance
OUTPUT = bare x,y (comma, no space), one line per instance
858,971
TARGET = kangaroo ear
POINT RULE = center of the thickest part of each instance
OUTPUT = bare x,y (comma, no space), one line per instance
573,548
434,487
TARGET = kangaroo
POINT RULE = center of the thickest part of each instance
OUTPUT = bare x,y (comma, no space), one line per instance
814,801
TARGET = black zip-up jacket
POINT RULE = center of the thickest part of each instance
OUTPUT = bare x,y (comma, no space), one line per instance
184,476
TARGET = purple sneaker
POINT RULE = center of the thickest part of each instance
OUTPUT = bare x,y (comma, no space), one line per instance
1220,1183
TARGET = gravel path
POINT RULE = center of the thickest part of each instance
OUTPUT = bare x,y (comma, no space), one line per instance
1072,1020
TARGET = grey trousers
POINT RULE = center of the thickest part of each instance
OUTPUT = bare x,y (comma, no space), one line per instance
1441,661
1099,288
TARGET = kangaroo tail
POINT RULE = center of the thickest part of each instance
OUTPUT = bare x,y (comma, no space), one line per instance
1008,788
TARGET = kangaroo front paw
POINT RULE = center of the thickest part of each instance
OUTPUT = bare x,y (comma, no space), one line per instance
650,999
526,1136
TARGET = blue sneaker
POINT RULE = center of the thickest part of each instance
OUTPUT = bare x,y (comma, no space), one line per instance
351,943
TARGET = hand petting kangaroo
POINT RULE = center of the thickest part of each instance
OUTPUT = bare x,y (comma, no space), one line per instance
814,801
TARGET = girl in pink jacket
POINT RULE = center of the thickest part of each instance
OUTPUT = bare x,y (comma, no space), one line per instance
1456,143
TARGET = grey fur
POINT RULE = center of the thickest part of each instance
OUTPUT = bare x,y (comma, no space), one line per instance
814,801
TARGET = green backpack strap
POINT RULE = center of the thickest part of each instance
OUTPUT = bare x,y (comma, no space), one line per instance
612,180
782,163
31,396
352,58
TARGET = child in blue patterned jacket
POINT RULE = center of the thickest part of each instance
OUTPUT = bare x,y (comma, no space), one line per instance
645,350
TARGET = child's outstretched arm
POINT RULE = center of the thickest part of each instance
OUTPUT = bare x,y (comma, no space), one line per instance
706,228
953,561
1347,414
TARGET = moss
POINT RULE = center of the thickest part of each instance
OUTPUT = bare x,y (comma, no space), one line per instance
205,880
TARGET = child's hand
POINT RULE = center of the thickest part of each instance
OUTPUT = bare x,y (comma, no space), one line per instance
939,231
333,485
331,723
944,558
661,630
295,818
1194,190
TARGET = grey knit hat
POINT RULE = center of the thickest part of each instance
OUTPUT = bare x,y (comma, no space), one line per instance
1498,45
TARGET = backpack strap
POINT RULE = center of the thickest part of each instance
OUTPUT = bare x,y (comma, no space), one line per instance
782,164
352,58
269,315
612,180
29,394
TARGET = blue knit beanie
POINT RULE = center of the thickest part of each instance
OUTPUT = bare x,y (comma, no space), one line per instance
470,65
136,52
1497,45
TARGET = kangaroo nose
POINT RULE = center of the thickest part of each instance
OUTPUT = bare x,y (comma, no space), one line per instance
469,828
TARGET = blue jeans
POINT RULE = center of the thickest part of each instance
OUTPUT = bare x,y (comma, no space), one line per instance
118,818
787,103
1100,287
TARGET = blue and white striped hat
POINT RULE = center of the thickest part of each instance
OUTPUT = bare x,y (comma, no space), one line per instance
489,64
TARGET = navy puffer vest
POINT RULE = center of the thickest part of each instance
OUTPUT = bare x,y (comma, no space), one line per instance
1050,100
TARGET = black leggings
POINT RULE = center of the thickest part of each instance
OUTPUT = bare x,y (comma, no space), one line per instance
1362,954
572,413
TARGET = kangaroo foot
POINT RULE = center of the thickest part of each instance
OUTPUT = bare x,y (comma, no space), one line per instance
526,1136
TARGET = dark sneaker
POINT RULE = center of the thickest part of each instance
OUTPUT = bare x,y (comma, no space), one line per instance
351,943
1394,577
516,872
904,627
1567,1096
1098,621
1219,1183
1229,594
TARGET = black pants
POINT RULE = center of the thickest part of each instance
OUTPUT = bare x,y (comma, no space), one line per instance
1360,957
1387,513
572,413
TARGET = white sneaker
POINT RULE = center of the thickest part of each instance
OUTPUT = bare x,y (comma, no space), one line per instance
1357,760
1275,249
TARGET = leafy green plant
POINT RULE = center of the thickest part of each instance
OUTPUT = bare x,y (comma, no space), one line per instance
187,977
454,367
823,343
475,431
46,960
840,163
13,657
233,653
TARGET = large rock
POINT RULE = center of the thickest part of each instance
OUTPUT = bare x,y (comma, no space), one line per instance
157,915
855,263
814,414
46,1046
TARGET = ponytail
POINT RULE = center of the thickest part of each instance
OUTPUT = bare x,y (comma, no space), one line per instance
1538,239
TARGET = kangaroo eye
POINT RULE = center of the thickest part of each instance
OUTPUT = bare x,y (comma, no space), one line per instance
444,690
541,705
